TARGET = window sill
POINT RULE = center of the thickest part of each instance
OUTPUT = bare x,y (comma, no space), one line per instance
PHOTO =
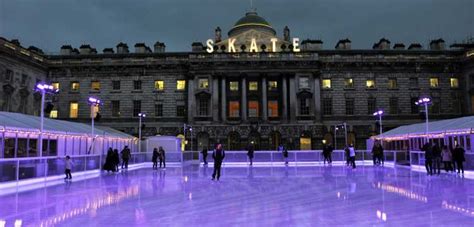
94,92
137,91
370,89
158,91
349,89
112,92
180,90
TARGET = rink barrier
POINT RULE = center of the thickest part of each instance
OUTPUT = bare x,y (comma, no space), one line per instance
31,170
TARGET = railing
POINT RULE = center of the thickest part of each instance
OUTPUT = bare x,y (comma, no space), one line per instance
417,158
19,169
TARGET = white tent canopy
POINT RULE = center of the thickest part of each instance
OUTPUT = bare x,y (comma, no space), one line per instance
463,125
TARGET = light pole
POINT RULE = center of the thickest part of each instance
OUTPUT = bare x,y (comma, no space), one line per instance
425,101
191,132
93,102
43,88
335,137
379,113
140,116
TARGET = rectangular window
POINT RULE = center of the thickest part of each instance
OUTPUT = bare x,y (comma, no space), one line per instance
180,85
253,86
159,85
116,85
414,108
53,114
327,106
348,83
203,83
75,86
158,109
55,85
95,86
137,107
9,76
434,82
454,82
234,85
370,83
203,109
371,105
326,83
392,83
350,106
73,109
413,82
393,103
304,106
137,84
253,108
304,82
272,85
180,111
234,109
273,108
116,108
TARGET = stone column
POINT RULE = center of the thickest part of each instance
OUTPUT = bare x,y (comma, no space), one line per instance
284,115
244,98
264,98
191,101
223,100
293,100
317,98
215,98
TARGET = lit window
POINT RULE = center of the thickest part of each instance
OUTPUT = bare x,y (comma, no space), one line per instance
234,109
74,86
159,85
253,108
253,86
180,85
203,83
326,83
454,82
434,82
304,82
53,114
370,83
95,110
55,85
273,108
73,109
392,83
272,85
234,85
348,83
95,85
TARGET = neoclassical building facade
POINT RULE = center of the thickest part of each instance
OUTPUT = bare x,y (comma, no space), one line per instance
251,87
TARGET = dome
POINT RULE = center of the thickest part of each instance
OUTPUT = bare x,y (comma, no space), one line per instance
251,20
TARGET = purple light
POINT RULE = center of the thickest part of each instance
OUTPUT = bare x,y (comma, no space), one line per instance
423,100
94,101
141,114
377,113
46,88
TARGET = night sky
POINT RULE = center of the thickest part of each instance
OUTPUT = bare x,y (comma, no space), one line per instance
48,24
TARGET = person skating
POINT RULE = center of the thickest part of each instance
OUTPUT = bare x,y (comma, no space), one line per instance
116,160
428,158
109,164
204,155
352,155
125,157
68,168
218,155
447,158
327,153
154,158
436,159
162,157
459,158
250,151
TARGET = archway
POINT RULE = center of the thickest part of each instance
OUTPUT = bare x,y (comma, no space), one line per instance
233,141
254,138
275,140
305,141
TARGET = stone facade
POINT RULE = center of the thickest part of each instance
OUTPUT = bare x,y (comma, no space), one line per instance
293,98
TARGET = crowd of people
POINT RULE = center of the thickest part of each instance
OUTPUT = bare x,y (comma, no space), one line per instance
452,159
112,160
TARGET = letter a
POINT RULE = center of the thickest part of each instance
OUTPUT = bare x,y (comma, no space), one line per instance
253,46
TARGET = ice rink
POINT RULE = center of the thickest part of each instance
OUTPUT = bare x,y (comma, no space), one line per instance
248,196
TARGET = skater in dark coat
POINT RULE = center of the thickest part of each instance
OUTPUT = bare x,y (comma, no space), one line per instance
204,155
162,157
116,159
109,162
218,155
250,151
154,158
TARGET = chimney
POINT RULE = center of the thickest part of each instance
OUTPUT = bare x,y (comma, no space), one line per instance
415,46
108,51
122,48
311,45
383,44
66,50
437,44
15,41
159,47
197,47
85,49
399,46
343,44
75,51
140,48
